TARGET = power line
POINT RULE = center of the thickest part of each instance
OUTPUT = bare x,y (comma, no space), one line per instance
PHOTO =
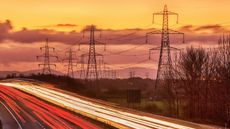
126,50
119,38
133,64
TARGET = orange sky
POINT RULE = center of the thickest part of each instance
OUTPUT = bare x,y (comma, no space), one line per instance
197,17
116,14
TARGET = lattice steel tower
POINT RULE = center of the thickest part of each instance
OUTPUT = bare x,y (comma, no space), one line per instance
70,59
82,69
91,71
46,56
92,68
165,62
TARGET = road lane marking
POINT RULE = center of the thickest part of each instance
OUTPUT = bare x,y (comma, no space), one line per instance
11,114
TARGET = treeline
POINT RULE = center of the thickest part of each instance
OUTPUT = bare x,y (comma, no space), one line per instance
200,84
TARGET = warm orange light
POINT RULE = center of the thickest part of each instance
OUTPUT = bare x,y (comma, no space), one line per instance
116,14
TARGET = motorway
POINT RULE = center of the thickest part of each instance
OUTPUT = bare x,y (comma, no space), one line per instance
111,115
24,111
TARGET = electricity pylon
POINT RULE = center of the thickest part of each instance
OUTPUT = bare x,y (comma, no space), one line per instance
46,56
224,43
82,70
92,68
165,63
106,71
132,73
71,57
100,65
114,74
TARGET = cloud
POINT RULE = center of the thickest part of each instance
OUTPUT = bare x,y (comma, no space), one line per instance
187,28
67,25
5,28
124,46
31,36
204,33
212,28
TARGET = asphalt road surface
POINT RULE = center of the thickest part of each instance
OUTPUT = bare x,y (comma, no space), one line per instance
22,111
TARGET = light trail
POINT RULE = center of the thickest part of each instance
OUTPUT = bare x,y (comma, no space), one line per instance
98,111
35,110
19,125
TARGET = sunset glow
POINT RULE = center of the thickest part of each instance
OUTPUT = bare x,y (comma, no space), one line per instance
104,13
27,22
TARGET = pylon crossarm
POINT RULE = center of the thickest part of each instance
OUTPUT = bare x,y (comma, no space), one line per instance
172,13
86,54
52,48
48,47
54,56
97,54
150,33
70,53
162,13
174,32
68,65
45,64
173,48
157,13
40,64
154,32
177,32
40,56
100,43
53,65
67,52
41,48
79,45
153,49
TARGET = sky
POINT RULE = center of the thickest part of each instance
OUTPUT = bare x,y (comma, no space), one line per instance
104,13
25,24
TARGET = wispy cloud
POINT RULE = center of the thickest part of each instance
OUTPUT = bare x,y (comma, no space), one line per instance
211,28
123,36
65,25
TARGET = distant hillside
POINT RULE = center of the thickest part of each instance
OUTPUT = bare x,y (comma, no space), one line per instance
3,74
121,73
125,73
139,72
